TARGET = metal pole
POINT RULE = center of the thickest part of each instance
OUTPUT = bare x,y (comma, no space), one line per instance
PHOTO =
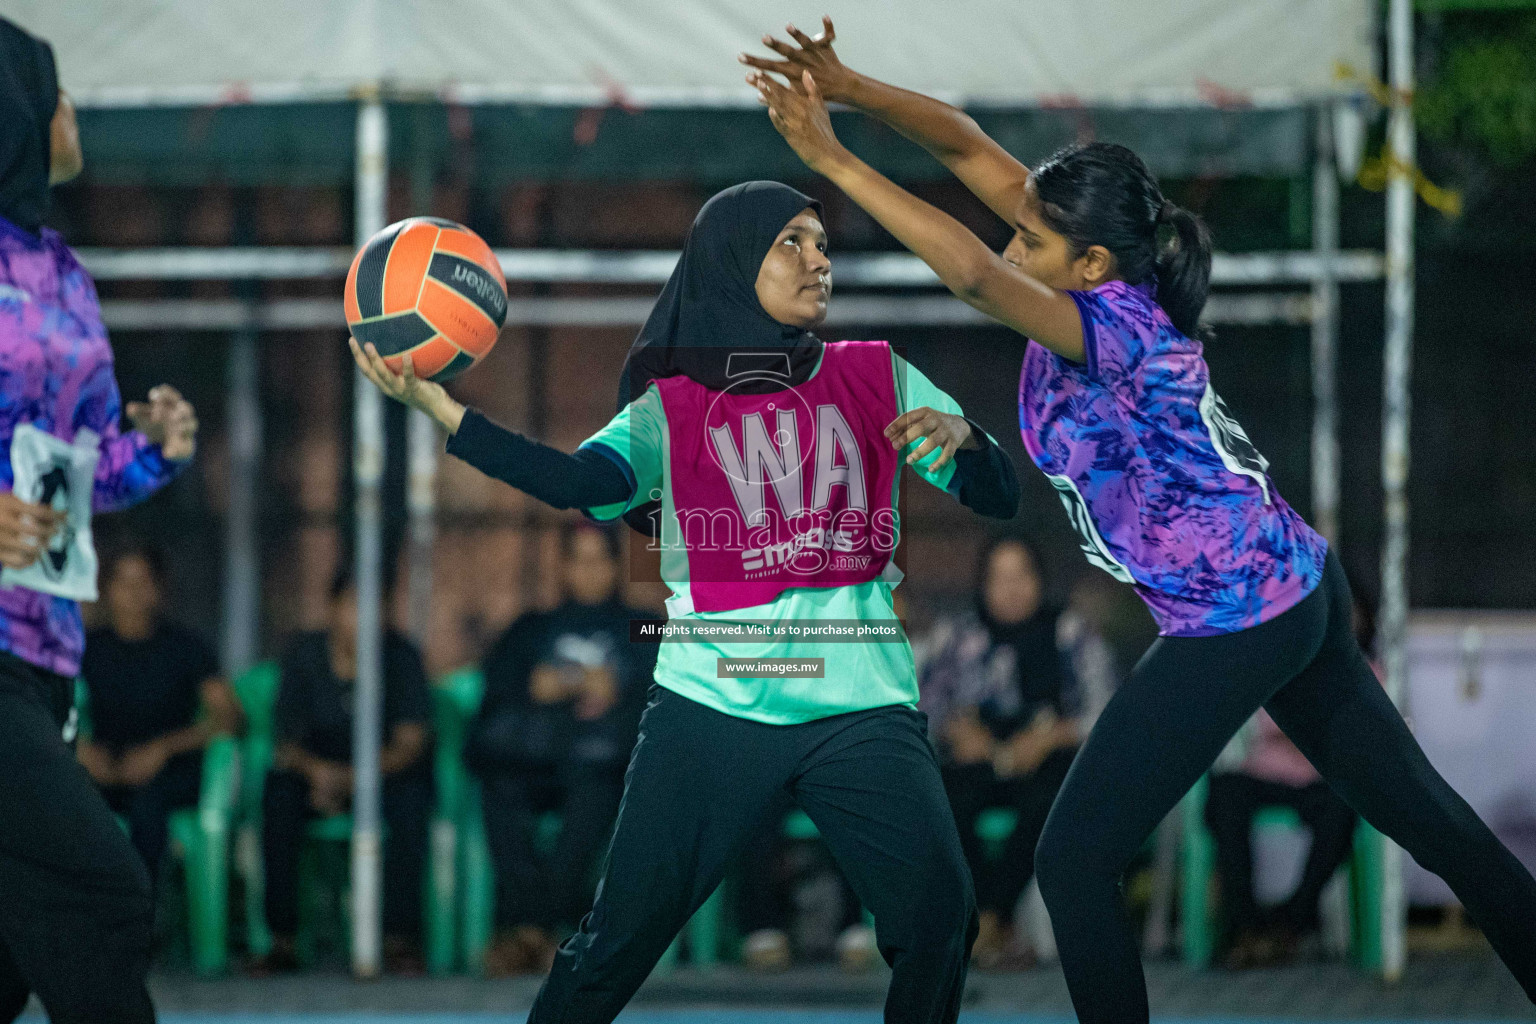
421,440
1325,333
242,569
644,267
421,506
367,475
1394,434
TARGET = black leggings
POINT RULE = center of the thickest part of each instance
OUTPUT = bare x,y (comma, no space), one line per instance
698,784
75,907
1166,725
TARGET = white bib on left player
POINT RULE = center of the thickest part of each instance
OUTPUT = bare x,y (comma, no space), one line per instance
47,470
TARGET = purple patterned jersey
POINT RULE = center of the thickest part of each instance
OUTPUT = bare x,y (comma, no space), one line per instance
1161,483
56,374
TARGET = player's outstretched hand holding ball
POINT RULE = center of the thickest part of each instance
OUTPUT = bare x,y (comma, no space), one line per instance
425,299
406,387
168,420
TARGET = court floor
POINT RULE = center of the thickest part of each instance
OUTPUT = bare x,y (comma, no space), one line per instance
1472,988
707,1015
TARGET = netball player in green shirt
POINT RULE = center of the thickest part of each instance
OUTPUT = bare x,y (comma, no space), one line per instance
775,459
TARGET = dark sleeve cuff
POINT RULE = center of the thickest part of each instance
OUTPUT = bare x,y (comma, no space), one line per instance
475,435
587,479
985,481
597,447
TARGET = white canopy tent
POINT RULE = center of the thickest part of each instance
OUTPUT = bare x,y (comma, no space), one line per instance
1150,55
563,51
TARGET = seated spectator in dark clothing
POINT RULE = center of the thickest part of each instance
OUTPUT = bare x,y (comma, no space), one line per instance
792,902
563,694
156,699
1273,773
1003,686
311,775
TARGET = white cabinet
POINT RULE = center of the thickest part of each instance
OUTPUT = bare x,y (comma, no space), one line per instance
1472,705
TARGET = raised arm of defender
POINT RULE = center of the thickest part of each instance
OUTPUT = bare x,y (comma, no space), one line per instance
948,133
994,284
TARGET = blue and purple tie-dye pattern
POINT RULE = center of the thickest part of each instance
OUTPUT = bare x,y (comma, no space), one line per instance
56,373
1162,484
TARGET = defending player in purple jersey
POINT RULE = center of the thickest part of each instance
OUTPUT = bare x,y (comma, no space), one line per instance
1108,280
1163,486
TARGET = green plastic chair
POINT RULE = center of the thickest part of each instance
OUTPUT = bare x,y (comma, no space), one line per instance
201,836
477,893
995,824
256,689
455,697
458,696
322,863
1197,913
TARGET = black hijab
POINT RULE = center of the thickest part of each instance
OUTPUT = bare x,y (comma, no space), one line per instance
1039,677
708,323
29,94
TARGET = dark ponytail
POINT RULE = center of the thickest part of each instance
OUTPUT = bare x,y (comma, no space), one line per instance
1184,268
1102,194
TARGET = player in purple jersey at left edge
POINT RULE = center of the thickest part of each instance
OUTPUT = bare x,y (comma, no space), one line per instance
75,899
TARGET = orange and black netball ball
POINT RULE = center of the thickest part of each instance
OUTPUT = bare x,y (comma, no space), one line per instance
427,287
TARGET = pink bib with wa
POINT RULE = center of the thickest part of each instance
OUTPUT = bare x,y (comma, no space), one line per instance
794,488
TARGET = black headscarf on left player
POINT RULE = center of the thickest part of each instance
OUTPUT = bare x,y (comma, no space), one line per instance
29,94
708,324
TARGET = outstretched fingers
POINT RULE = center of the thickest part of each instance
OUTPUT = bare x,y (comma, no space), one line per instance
923,449
950,447
777,98
372,364
769,89
780,47
812,90
776,67
904,425
805,41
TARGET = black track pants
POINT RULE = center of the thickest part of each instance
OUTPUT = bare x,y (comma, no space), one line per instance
75,906
698,783
1165,726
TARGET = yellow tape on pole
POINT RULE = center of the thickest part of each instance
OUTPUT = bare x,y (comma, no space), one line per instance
1377,170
